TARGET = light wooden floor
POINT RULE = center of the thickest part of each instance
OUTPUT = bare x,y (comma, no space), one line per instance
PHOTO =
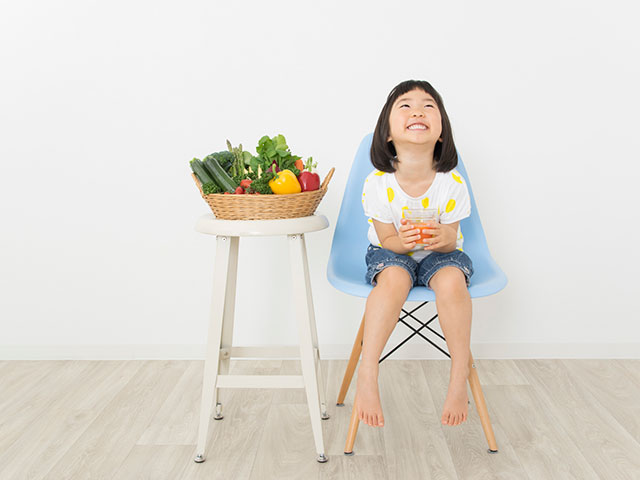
553,419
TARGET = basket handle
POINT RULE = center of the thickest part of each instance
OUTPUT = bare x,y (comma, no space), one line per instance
325,182
195,179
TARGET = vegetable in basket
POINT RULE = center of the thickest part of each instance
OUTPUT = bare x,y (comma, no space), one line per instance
274,151
309,180
285,182
217,173
208,185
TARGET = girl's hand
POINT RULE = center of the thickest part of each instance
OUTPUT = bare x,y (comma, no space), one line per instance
442,235
408,236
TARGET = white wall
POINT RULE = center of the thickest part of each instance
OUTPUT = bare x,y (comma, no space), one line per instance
102,104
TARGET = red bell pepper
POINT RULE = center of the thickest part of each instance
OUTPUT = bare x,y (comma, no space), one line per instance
309,180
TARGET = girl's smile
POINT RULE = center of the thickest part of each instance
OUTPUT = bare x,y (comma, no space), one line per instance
415,112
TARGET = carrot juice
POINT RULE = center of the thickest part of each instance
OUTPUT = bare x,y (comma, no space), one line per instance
418,218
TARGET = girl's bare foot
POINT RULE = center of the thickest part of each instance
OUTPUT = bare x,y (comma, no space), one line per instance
454,411
367,401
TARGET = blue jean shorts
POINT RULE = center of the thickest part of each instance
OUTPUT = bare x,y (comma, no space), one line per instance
378,258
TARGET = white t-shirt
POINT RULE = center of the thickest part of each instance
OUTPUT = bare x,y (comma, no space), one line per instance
384,200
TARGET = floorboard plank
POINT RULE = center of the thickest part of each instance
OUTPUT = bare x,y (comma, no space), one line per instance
607,447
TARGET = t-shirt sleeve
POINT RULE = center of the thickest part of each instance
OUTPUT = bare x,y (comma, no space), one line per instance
458,201
373,201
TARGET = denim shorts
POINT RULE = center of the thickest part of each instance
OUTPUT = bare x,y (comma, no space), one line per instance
378,258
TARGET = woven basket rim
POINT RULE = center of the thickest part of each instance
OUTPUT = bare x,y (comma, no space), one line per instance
323,186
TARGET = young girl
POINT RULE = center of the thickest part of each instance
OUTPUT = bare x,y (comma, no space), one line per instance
415,158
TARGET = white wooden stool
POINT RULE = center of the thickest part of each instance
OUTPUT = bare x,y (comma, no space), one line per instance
219,343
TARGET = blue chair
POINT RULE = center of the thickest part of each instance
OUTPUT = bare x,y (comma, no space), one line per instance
346,271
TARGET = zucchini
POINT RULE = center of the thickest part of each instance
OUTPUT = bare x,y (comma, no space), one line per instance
200,171
218,174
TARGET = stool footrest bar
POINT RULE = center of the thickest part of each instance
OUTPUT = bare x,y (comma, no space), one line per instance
260,381
264,352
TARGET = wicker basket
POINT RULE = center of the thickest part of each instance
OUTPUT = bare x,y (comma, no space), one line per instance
265,207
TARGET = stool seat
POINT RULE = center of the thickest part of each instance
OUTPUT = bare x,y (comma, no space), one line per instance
251,228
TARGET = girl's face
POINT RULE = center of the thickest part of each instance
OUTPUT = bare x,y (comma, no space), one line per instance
415,107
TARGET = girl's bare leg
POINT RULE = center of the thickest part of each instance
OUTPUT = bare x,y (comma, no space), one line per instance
453,303
382,310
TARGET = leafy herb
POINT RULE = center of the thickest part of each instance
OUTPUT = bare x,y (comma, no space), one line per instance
211,187
274,149
261,184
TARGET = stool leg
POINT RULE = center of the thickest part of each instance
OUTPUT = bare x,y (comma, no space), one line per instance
218,300
301,301
314,332
351,367
481,406
227,322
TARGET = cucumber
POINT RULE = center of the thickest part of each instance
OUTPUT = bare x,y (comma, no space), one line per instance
218,174
200,171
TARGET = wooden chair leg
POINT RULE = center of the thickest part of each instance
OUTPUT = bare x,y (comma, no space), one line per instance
481,406
353,430
351,367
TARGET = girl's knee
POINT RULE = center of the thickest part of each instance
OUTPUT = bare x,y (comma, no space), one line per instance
448,280
395,276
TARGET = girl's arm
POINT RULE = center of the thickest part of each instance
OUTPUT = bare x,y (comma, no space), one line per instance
399,242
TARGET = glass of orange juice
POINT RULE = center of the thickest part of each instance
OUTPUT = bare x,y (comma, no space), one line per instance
418,218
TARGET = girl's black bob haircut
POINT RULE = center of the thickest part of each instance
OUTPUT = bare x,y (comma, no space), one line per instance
383,152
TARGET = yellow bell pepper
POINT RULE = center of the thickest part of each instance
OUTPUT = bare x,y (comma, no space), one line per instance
285,182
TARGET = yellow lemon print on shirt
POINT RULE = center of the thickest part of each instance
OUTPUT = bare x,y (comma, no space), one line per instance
390,194
405,211
457,178
425,202
451,204
379,173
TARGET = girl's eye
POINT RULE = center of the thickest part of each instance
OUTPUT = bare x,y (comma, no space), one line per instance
405,105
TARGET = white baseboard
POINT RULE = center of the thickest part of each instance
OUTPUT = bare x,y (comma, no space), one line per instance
414,351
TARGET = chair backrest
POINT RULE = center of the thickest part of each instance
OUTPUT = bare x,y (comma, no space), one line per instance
350,237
